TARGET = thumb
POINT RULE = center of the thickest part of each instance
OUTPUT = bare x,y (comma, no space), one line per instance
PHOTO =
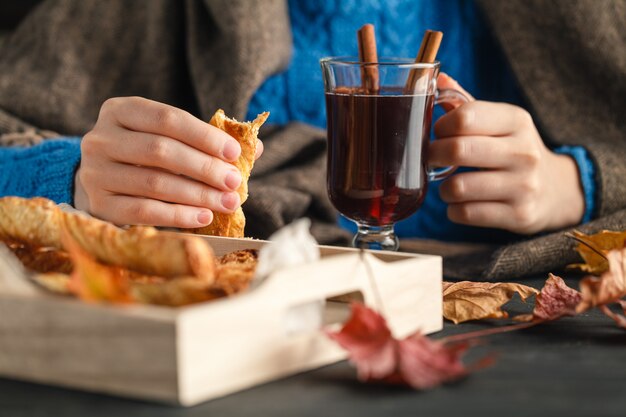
445,82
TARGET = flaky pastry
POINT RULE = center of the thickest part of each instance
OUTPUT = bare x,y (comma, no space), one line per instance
246,133
140,264
143,249
235,272
40,223
35,221
41,259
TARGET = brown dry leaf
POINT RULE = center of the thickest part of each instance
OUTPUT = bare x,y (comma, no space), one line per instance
594,248
620,320
608,288
467,300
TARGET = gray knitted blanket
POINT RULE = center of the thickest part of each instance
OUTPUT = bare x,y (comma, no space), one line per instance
68,56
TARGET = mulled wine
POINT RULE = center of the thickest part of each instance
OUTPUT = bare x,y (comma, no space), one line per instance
377,153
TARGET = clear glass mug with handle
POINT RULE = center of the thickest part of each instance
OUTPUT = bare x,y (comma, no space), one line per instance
378,138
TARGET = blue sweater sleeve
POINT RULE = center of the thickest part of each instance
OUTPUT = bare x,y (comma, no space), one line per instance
587,171
44,170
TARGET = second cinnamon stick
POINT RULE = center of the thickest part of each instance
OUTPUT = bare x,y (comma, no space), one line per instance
427,54
368,55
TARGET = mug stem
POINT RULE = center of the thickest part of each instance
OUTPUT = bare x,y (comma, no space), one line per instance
376,238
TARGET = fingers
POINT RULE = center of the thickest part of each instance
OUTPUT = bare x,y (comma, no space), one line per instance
164,186
483,118
445,82
484,152
482,214
123,210
516,218
489,186
259,149
470,151
149,163
143,115
169,154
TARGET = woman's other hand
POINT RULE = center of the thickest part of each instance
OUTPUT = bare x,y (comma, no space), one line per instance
520,185
149,163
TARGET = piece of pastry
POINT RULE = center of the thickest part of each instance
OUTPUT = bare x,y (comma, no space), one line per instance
234,274
34,221
41,259
246,133
56,282
40,223
143,249
235,271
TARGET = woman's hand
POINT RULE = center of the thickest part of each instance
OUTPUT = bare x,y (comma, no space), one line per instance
521,186
145,162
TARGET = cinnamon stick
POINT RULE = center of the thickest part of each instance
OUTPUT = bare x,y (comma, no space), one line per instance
427,54
368,54
430,46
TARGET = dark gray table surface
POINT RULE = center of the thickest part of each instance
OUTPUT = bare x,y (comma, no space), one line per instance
573,367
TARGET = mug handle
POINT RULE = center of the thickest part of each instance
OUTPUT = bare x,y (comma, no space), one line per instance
446,96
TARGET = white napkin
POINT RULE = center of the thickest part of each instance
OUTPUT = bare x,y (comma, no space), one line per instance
292,245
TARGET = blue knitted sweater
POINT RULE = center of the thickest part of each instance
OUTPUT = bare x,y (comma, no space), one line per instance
322,28
45,170
468,53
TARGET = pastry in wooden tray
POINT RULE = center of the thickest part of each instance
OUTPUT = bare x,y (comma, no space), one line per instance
74,254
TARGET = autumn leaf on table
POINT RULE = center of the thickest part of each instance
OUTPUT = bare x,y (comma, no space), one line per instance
620,320
93,281
415,361
594,248
368,339
468,300
425,363
609,288
555,300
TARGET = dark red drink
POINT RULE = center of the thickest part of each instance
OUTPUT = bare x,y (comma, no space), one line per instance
377,154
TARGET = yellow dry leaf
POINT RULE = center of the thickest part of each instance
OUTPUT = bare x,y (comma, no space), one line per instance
594,249
468,300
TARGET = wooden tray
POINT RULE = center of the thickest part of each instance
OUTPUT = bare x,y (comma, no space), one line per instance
192,354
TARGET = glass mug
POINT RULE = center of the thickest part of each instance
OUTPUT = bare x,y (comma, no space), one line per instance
378,142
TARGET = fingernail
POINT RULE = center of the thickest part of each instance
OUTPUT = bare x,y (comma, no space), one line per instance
205,217
230,201
233,180
231,150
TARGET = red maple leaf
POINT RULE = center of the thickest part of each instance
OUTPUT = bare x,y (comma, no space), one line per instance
368,340
556,300
424,363
416,361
